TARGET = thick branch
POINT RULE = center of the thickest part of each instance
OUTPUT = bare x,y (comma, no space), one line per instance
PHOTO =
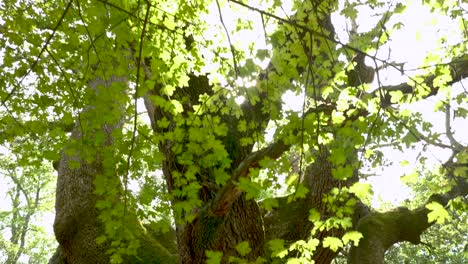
229,193
459,71
289,221
382,230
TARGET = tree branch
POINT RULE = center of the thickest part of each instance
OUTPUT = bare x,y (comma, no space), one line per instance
456,145
229,193
459,71
36,61
382,230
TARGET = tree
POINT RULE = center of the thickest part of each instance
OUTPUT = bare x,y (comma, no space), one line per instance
29,196
77,72
444,242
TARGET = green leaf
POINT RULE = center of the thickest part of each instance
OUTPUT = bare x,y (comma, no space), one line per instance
74,164
342,172
213,257
101,239
314,215
294,261
262,54
168,90
338,156
270,203
354,236
333,243
277,248
178,108
301,191
442,78
242,126
169,23
410,178
361,190
438,213
338,117
252,189
243,248
460,171
51,155
399,8
221,177
99,138
418,35
396,96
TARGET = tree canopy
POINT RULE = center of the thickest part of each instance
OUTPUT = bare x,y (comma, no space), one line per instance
167,125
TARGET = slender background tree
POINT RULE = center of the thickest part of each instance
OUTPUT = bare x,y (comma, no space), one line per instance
30,199
157,95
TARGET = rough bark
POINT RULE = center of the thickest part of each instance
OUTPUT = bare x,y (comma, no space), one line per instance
76,224
218,230
58,257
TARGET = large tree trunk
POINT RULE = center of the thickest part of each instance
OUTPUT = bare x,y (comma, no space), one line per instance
222,233
76,224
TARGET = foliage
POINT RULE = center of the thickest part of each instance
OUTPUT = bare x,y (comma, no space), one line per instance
28,201
76,74
444,242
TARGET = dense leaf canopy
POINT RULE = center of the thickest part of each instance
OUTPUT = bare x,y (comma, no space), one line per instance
169,129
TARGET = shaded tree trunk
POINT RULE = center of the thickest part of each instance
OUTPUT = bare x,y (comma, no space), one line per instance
77,224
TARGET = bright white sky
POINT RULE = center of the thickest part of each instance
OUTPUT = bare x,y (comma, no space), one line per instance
410,45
